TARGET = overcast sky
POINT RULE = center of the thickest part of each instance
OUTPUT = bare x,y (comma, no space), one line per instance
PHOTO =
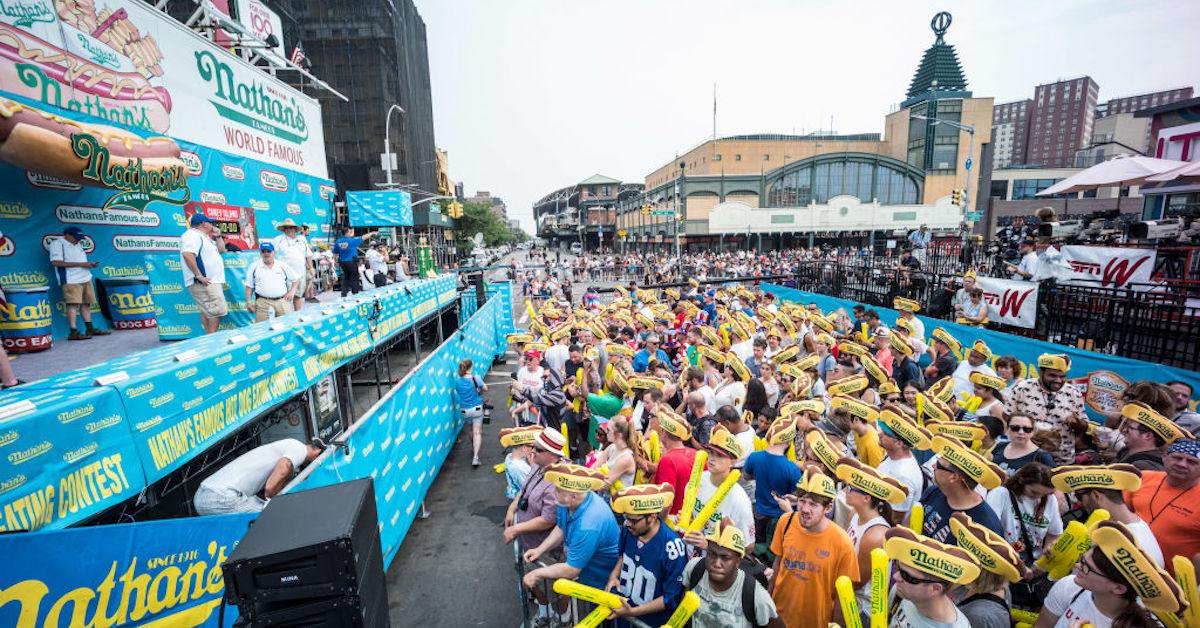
533,95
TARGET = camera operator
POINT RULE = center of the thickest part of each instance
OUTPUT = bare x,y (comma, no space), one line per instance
1027,269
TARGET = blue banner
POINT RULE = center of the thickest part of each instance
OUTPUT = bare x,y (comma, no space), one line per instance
175,310
135,574
381,208
1101,377
35,209
403,440
171,403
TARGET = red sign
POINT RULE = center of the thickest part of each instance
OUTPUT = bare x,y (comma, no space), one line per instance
236,223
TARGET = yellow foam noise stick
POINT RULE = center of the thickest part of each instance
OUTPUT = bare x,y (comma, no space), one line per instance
570,588
617,484
693,487
845,593
651,450
714,502
916,518
1020,616
791,450
532,314
566,440
1065,552
1168,619
880,578
725,335
1185,575
760,443
608,370
595,618
1023,624
500,468
921,410
578,384
687,607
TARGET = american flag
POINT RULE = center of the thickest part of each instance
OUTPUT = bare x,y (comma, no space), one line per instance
298,55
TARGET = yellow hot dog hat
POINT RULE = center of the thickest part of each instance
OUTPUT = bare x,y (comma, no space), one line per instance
823,449
808,362
854,407
674,424
948,339
942,390
739,367
989,549
808,405
517,436
871,481
981,348
519,338
926,555
712,353
802,386
849,385
645,383
988,381
619,381
782,430
725,443
574,478
619,349
1142,414
889,387
852,348
899,426
1159,592
1113,477
824,323
711,336
815,483
972,464
906,305
1056,361
899,342
964,431
786,354
643,499
792,369
729,536
873,368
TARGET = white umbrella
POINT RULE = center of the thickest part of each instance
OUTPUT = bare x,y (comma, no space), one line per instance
1188,171
1118,171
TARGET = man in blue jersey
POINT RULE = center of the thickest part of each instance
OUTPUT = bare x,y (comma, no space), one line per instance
346,249
648,574
958,471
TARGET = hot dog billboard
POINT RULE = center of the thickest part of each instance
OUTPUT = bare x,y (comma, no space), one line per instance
133,66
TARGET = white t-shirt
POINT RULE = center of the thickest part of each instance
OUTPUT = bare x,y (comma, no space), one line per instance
723,609
746,438
1050,522
908,471
248,473
375,261
907,616
710,399
531,379
63,251
731,394
208,259
962,377
1146,540
1070,602
736,505
744,350
294,252
269,282
918,327
556,358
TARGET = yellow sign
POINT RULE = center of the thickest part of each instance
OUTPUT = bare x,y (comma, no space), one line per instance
620,233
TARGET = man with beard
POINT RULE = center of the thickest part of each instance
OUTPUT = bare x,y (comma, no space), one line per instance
1052,405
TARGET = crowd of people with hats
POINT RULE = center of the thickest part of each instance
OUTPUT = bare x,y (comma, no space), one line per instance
719,455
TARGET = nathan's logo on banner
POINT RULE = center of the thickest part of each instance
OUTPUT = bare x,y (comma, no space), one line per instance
18,280
86,243
15,211
293,208
273,181
116,272
251,104
81,215
327,191
194,165
127,242
23,13
40,180
303,187
233,172
140,186
212,197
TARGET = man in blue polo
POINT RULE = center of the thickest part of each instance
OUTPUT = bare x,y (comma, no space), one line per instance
651,351
346,249
585,526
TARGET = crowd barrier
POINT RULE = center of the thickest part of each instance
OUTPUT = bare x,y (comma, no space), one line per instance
1102,378
82,441
167,572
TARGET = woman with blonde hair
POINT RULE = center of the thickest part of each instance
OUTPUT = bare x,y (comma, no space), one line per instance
470,389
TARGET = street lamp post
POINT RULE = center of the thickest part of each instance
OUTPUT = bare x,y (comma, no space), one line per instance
681,205
970,151
388,156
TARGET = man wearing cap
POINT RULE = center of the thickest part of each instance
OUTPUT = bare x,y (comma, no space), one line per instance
346,248
675,464
919,240
1103,487
924,572
729,597
531,514
1027,269
773,474
811,553
270,285
651,351
74,273
977,362
292,249
957,471
1050,402
204,271
1169,501
652,556
584,526
377,263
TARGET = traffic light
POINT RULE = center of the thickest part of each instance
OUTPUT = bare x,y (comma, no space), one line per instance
646,209
956,197
456,209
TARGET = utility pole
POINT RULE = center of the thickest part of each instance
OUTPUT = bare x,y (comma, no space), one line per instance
681,205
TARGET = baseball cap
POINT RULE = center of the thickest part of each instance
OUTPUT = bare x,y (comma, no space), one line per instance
74,232
198,219
266,247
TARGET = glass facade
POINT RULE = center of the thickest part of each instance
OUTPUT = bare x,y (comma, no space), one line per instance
934,146
861,178
1028,188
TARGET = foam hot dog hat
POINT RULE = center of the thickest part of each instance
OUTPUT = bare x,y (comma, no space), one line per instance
574,478
619,349
517,436
906,305
782,430
972,464
739,367
1113,477
989,549
897,425
926,555
808,405
786,354
1166,429
947,339
1056,361
889,387
873,368
966,431
808,362
643,499
988,381
729,536
815,483
852,384
674,424
824,450
899,342
1159,592
870,480
713,354
722,442
855,408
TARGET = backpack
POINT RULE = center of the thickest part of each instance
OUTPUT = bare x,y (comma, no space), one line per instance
749,583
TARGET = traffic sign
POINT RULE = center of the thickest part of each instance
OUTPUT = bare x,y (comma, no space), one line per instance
969,162
620,233
663,212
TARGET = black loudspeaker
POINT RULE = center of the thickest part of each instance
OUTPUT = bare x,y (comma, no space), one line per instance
312,558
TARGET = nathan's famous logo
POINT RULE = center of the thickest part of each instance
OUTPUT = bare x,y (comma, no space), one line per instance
25,455
326,191
251,104
195,165
969,466
139,185
75,455
127,303
304,187
76,413
947,570
102,55
32,316
293,208
95,426
966,540
1131,565
212,197
14,210
139,390
233,172
85,242
122,271
273,181
23,13
1074,480
9,437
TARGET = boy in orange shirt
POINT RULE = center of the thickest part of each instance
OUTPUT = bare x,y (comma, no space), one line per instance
811,553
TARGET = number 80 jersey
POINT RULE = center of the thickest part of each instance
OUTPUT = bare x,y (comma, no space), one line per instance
652,569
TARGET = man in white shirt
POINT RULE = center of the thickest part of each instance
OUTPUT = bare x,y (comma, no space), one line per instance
74,273
376,265
978,357
292,249
266,469
1028,267
270,285
204,271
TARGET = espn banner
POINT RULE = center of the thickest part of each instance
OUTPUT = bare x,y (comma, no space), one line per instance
1112,267
1010,302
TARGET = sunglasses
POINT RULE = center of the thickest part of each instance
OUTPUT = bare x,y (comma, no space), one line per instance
911,579
1028,429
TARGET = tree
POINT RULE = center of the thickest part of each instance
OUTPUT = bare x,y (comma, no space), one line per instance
479,218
